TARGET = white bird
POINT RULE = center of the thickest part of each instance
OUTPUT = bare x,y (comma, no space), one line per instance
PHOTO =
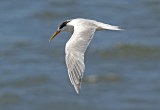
83,31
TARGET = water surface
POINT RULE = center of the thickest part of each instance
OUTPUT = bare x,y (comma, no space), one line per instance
122,68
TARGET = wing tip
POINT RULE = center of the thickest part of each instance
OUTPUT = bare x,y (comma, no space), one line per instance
77,87
77,91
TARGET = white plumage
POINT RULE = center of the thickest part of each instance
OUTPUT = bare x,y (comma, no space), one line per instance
83,31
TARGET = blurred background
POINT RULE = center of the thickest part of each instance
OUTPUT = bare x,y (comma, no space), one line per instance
122,68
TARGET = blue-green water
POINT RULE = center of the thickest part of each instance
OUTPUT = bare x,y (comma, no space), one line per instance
122,68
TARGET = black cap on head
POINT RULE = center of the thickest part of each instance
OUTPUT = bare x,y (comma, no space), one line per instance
63,24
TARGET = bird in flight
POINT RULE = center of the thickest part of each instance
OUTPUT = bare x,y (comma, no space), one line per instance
82,33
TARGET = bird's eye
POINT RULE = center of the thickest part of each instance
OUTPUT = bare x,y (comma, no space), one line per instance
63,24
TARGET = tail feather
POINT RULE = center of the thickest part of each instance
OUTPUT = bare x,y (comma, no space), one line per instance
110,27
103,26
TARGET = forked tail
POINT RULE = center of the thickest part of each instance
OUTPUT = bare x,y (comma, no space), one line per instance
102,26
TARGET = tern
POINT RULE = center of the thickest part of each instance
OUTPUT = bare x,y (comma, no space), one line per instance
82,33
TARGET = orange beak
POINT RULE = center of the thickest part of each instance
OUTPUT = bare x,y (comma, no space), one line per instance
57,32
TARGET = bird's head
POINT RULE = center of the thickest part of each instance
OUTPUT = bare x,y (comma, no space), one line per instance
65,26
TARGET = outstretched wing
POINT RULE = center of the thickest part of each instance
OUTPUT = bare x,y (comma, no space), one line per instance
75,49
